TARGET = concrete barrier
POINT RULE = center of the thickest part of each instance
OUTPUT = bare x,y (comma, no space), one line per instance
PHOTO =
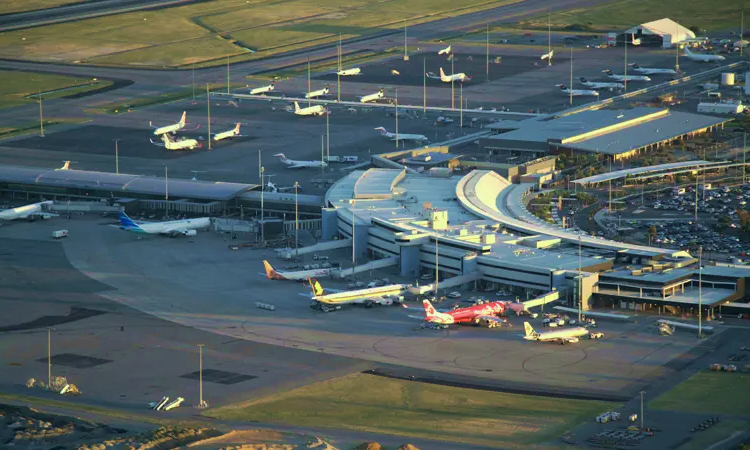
265,306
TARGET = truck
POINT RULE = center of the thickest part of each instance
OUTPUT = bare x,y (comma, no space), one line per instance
59,234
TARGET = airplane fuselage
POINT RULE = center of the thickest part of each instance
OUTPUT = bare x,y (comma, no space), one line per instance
23,212
168,129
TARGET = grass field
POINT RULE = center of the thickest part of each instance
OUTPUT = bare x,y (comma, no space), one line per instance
14,6
17,88
624,14
708,392
383,405
209,32
33,127
137,103
704,439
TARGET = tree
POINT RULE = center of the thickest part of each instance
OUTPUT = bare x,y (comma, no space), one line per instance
651,231
724,221
694,29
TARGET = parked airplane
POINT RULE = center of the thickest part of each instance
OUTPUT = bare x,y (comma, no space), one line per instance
181,144
263,89
577,92
653,71
563,336
623,77
350,72
66,166
605,85
401,136
702,57
327,302
317,110
292,164
446,51
373,97
461,77
486,314
319,93
234,132
30,212
170,128
300,275
548,55
172,228
271,187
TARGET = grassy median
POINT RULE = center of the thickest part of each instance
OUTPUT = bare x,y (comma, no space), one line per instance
20,88
708,392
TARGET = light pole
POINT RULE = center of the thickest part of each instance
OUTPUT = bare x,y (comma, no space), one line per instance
208,106
453,103
642,392
227,73
461,106
580,282
571,75
117,158
309,100
193,84
625,78
41,119
322,155
262,231
549,42
49,358
396,117
700,292
424,86
487,47
201,403
296,220
437,268
328,138
166,189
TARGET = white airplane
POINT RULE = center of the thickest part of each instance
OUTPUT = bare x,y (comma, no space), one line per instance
172,228
292,164
327,302
181,144
271,187
446,51
317,110
652,71
628,78
319,93
548,55
563,336
605,85
401,136
30,212
702,57
170,128
234,132
577,92
263,89
372,97
300,275
461,77
350,72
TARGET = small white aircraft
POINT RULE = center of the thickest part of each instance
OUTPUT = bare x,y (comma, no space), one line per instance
317,110
350,72
234,132
319,93
604,85
702,57
624,78
170,128
172,228
181,144
652,71
271,187
563,336
461,77
263,89
577,92
30,212
373,97
548,55
292,164
446,51
401,136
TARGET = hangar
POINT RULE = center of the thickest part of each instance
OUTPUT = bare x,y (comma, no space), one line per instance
663,32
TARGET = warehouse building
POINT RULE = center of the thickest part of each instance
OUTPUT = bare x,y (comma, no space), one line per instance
663,33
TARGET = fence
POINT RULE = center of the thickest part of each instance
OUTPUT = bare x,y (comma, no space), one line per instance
308,224
212,208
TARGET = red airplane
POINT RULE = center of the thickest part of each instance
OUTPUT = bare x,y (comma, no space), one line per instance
486,314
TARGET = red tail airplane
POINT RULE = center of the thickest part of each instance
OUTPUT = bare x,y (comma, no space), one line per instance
486,313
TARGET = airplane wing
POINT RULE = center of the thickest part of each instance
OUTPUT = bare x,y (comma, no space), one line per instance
159,144
177,229
493,320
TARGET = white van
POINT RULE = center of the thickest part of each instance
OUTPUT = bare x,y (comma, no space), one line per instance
59,234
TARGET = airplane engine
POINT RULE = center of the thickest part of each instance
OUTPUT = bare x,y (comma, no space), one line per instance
191,232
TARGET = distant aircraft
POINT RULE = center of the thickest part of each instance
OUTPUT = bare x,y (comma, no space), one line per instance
271,187
624,78
181,144
446,51
486,314
170,128
401,136
548,55
577,92
234,132
702,57
461,77
319,93
372,97
317,110
172,228
30,212
350,72
263,89
652,71
369,297
292,164
301,275
604,85
563,336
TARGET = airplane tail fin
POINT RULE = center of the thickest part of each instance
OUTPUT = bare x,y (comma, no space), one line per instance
126,222
271,273
429,310
182,120
584,80
296,107
315,286
381,130
282,157
237,128
528,329
65,166
442,74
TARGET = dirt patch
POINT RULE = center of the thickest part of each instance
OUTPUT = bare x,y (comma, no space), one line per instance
260,440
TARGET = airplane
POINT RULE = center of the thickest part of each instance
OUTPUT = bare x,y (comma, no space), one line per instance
330,300
563,336
486,313
702,57
292,164
401,136
446,51
628,78
263,89
319,93
448,78
30,212
171,128
271,187
172,228
652,71
182,144
372,97
301,275
234,132
598,85
317,110
577,92
548,55
350,72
